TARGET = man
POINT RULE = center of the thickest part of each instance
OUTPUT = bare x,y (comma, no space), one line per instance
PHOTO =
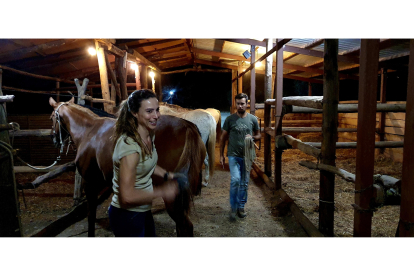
236,128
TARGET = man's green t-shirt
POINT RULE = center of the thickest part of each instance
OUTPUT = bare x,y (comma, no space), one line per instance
238,128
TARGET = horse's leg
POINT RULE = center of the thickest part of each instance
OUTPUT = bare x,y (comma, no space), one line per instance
183,225
92,198
206,172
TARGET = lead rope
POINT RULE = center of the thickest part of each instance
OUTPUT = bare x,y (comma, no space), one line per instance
62,144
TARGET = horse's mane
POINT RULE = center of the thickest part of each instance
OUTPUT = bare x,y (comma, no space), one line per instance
97,112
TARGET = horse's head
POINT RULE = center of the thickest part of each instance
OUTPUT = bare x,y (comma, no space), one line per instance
57,120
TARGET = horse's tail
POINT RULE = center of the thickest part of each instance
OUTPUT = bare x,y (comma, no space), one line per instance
192,158
211,145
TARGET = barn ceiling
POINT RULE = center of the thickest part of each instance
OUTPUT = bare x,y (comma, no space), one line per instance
303,58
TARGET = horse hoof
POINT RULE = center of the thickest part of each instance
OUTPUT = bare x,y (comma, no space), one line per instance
204,184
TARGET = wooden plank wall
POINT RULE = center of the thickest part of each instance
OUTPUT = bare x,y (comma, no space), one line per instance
37,151
394,130
394,127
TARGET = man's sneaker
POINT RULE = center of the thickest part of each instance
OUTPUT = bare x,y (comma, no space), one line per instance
241,213
232,216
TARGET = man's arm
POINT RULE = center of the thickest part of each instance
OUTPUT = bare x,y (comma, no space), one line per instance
256,135
223,139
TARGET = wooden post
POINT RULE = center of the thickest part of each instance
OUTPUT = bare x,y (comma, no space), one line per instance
367,103
330,135
57,92
103,75
406,223
144,76
112,74
253,81
121,72
383,99
267,141
278,90
113,96
138,78
153,84
10,224
267,112
91,94
268,71
81,89
239,83
309,89
159,82
233,90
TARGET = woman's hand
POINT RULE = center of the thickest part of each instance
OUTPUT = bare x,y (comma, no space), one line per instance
169,190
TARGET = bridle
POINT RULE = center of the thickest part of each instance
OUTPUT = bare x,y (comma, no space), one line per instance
58,121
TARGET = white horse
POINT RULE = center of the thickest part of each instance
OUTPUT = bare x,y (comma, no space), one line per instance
217,116
207,127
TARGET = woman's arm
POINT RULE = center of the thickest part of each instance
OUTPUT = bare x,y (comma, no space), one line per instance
128,195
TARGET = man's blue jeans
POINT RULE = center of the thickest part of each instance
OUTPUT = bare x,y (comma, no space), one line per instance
238,183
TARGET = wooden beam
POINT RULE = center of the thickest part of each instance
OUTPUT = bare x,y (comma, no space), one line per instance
164,50
406,221
170,58
34,75
152,43
367,99
197,70
383,96
169,55
81,90
137,78
96,100
121,70
233,91
140,58
18,54
278,97
217,64
247,41
218,47
217,54
313,53
144,76
311,45
253,81
112,75
103,76
330,135
34,92
278,46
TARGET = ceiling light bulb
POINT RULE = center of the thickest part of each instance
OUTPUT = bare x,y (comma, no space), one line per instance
151,74
92,51
134,66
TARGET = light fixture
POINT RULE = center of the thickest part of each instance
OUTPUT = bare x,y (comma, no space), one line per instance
246,54
92,51
152,75
134,66
171,92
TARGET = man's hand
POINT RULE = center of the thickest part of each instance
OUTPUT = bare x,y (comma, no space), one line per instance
222,160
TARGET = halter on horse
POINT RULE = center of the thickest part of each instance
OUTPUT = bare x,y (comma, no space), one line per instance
178,144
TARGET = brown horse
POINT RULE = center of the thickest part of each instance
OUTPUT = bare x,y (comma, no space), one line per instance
178,143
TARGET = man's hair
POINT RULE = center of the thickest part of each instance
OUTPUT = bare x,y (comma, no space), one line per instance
242,96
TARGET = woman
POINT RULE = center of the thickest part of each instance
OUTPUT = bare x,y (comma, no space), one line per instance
135,160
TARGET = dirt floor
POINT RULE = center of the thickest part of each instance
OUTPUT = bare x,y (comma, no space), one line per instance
209,215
